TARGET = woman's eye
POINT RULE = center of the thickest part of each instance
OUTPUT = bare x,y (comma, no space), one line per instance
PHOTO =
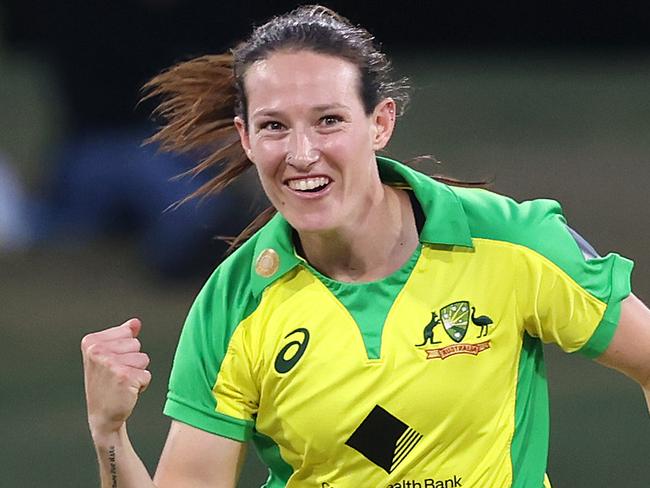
329,120
271,125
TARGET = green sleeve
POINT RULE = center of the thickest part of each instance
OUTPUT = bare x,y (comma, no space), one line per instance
568,295
216,312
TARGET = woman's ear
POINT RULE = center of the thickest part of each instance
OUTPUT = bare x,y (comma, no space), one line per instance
240,125
384,117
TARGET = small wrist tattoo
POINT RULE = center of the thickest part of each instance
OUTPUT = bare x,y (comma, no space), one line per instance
113,466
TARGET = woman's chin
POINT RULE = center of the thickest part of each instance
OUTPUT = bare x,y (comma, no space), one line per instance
312,224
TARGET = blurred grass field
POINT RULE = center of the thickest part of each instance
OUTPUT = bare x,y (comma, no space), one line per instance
573,128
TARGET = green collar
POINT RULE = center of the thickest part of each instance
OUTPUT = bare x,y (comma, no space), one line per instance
446,223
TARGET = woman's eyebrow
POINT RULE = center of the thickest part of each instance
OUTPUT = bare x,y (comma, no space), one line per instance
262,112
330,106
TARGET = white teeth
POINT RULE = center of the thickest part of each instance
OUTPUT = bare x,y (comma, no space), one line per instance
308,183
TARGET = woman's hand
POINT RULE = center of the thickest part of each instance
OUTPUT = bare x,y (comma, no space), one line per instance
114,375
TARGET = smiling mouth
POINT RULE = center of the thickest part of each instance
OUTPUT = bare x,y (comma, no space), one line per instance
309,185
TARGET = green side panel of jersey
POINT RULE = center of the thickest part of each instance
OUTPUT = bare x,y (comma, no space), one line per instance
530,440
279,470
540,226
370,316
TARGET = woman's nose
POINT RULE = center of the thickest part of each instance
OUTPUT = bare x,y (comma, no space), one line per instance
302,152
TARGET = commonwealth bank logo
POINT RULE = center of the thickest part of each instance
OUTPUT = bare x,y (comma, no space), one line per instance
384,439
455,319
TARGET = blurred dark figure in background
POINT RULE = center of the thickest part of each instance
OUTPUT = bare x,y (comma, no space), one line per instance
101,180
110,182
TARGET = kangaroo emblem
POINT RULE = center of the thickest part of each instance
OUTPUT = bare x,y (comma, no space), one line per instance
427,333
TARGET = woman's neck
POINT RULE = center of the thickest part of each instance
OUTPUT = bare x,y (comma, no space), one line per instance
369,249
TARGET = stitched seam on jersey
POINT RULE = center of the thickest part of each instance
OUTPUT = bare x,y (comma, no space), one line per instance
538,387
242,327
257,362
243,319
516,476
516,378
546,261
239,330
513,415
245,323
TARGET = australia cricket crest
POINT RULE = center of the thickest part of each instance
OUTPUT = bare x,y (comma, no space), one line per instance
455,319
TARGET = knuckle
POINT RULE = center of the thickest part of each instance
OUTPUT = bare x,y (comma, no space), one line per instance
121,374
146,359
87,341
146,378
105,362
94,351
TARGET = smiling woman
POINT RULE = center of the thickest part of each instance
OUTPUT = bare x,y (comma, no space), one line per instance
322,338
314,147
200,113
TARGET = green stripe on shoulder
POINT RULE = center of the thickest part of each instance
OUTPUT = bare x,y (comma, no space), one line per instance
540,226
226,299
494,216
221,305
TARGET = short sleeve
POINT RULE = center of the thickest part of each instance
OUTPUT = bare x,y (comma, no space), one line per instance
567,293
212,336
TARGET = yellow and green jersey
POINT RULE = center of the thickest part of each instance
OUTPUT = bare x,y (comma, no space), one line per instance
432,377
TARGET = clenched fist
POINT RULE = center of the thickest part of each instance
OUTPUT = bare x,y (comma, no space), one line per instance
114,375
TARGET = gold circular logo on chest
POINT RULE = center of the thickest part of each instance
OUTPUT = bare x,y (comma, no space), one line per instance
268,263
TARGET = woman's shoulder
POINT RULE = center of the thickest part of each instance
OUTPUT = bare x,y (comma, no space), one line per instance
538,225
233,274
228,289
493,215
485,213
258,262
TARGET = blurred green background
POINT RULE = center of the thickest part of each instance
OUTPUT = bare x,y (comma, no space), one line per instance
569,124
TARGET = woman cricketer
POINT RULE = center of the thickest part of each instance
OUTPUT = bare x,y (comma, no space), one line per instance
381,328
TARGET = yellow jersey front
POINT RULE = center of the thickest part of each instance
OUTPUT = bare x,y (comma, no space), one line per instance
430,378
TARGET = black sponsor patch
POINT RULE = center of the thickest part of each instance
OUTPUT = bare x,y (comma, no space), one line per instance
384,439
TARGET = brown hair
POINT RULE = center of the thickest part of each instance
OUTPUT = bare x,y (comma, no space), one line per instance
200,97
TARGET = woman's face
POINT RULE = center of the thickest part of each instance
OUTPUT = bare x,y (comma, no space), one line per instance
310,139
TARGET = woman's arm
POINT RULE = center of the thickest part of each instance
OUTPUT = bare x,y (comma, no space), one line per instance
191,458
195,458
119,465
114,375
629,351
